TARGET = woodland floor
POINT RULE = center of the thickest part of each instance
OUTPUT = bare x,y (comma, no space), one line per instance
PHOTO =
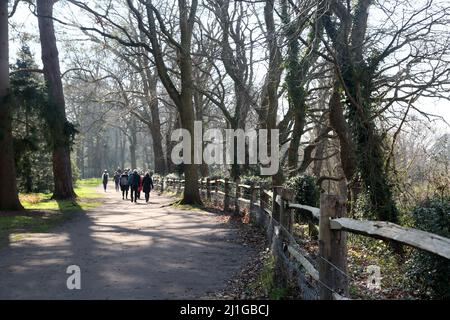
128,251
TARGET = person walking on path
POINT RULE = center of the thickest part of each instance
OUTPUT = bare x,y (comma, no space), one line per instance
105,178
117,180
124,186
133,181
147,186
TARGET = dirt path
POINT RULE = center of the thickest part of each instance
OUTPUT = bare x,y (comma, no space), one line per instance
125,251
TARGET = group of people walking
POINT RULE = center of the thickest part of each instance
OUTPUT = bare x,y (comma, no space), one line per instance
130,180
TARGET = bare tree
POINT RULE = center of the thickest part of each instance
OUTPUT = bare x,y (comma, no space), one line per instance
269,100
375,70
183,97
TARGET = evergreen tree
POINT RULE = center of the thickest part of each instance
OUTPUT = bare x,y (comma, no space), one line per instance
32,154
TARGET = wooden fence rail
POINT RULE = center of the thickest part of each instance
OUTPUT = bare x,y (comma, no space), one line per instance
273,208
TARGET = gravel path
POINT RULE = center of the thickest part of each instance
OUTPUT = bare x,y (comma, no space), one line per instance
125,251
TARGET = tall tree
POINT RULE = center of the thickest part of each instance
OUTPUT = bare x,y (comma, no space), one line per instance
61,130
9,199
158,34
298,70
366,84
348,44
236,55
183,97
269,101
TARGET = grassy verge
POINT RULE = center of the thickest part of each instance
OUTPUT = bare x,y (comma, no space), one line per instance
42,213
85,189
177,205
266,284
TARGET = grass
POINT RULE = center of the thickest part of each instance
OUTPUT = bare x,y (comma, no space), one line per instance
84,190
15,227
177,203
189,207
266,282
42,213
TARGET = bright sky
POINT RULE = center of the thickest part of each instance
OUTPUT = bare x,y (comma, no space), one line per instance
25,22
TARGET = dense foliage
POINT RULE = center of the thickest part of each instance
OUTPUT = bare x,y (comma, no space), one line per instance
429,274
306,190
32,155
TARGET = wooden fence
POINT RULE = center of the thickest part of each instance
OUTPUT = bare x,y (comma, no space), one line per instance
272,208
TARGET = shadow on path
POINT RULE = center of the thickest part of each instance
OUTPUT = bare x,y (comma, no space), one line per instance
125,251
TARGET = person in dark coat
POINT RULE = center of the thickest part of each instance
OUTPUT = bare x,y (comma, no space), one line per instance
116,179
133,181
124,186
147,186
105,178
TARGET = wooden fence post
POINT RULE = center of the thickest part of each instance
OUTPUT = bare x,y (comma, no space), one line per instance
226,202
252,199
275,205
216,191
332,249
162,184
237,196
285,212
208,189
261,197
178,181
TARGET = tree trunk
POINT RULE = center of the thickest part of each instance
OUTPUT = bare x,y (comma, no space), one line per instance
56,113
182,99
9,199
98,158
270,103
123,141
173,125
90,156
116,149
191,194
339,125
153,121
299,124
318,154
199,105
80,157
160,163
133,154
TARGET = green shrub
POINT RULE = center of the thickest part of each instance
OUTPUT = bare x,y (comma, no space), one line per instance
428,273
363,208
306,190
